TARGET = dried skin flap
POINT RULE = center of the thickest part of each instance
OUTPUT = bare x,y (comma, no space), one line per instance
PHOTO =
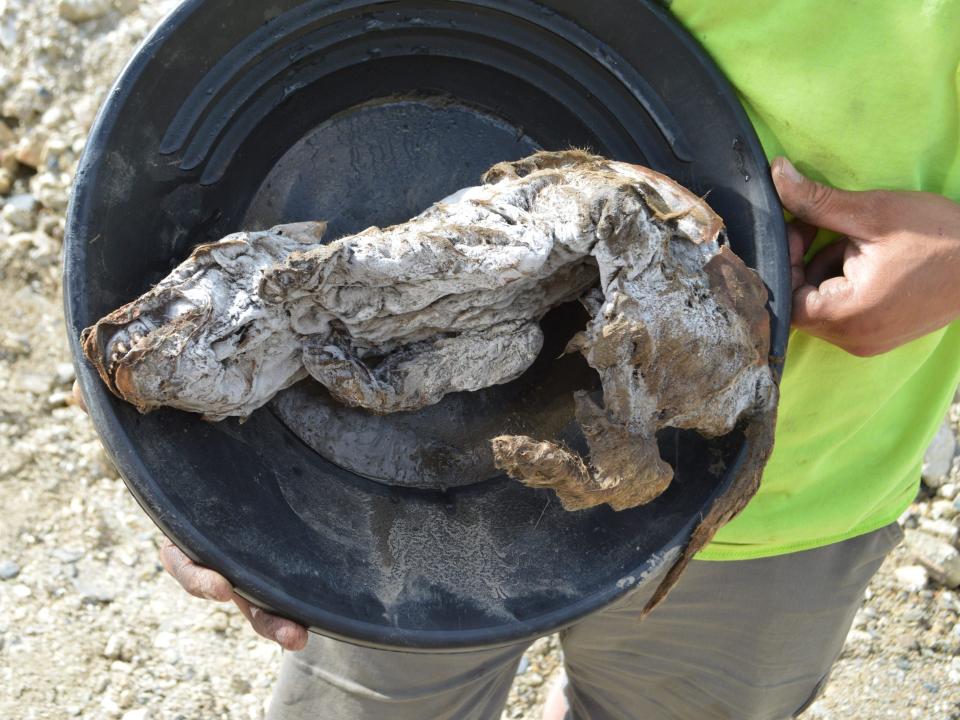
393,319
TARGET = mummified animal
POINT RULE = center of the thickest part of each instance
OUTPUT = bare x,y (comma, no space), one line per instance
393,319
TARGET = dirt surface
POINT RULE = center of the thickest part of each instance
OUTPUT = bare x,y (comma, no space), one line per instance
91,627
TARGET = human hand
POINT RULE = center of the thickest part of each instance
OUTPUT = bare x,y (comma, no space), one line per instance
204,583
891,278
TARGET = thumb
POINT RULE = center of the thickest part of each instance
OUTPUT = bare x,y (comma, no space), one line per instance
823,206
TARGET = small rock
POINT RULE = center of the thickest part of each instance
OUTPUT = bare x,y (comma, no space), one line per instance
120,646
859,638
817,711
939,456
67,555
164,640
939,557
22,591
943,529
912,578
50,191
8,569
119,666
534,679
65,373
138,714
13,345
909,519
91,594
524,665
34,384
59,398
30,149
906,642
942,509
125,7
219,621
948,491
109,706
21,211
239,685
915,614
78,11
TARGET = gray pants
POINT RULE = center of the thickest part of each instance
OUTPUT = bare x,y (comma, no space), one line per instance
750,639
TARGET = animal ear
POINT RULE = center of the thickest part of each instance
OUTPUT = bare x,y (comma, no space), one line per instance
309,233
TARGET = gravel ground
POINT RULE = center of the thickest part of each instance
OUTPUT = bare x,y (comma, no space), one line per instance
91,627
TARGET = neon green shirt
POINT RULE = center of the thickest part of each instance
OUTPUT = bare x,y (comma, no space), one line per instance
860,95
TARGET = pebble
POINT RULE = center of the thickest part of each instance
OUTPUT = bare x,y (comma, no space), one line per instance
948,600
947,491
65,373
34,384
109,706
164,640
8,569
817,711
906,642
858,638
914,615
92,594
909,519
942,509
21,211
939,456
239,685
941,528
120,646
138,714
940,558
219,621
78,11
534,679
30,149
67,555
119,666
59,398
22,591
912,578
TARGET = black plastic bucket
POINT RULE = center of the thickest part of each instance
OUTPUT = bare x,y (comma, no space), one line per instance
396,532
